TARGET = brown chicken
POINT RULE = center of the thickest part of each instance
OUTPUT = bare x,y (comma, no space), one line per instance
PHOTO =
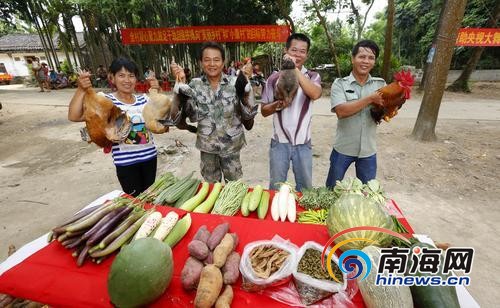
106,123
288,83
395,95
157,109
162,112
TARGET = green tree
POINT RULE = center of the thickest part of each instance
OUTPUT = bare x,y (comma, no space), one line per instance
425,125
461,84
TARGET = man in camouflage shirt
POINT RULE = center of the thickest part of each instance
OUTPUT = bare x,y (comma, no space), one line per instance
214,104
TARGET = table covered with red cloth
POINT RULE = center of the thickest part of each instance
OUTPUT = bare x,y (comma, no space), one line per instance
51,276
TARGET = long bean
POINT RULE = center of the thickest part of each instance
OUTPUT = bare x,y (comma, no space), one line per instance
230,198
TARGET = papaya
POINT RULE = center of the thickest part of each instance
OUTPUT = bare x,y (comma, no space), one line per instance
140,273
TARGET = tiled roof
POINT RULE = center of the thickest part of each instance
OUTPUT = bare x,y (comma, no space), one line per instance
29,42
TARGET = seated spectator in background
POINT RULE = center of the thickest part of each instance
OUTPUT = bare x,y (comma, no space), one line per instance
62,81
52,79
102,77
73,79
148,72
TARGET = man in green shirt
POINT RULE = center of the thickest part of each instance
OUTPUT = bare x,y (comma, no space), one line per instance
351,99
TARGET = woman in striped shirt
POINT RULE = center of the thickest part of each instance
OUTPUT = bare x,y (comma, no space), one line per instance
135,157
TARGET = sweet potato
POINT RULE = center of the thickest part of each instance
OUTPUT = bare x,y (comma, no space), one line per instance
223,250
198,249
236,239
202,234
209,287
209,259
225,299
231,269
190,275
217,235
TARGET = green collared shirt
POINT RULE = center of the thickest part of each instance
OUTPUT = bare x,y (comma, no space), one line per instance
356,134
219,114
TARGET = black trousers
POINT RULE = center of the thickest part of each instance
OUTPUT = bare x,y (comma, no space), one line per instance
136,178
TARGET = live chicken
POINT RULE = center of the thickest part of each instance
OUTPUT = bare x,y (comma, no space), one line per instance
106,123
394,95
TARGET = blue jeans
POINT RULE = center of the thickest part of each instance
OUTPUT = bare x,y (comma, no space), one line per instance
366,167
280,155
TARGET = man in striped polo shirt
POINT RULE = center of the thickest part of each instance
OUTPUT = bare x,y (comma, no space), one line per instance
291,140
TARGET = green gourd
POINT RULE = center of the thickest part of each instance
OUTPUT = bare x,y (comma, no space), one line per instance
140,273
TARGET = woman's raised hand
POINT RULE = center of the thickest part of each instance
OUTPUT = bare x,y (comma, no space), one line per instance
84,81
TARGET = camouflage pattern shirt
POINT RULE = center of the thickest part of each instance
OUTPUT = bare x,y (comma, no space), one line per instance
219,114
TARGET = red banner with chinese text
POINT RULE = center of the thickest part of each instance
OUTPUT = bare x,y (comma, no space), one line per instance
478,37
178,35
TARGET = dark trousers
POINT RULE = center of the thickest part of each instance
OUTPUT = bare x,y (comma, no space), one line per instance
366,167
136,178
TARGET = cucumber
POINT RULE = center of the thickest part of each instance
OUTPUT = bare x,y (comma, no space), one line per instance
263,205
255,198
244,205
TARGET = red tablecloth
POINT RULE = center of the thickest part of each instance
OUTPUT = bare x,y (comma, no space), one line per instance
50,275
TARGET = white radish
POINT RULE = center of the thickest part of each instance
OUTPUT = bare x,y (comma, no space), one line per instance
275,214
166,225
292,211
148,225
283,200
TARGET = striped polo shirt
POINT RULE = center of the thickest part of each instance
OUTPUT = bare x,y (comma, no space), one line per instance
139,145
292,124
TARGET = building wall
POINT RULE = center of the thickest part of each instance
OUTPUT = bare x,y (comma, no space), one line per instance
16,64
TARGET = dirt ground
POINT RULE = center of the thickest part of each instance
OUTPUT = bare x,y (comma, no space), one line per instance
447,189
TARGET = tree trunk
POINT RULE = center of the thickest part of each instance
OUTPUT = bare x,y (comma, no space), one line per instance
462,82
322,20
427,65
425,125
50,43
386,65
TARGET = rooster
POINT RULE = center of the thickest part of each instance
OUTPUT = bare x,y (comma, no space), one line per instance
288,83
106,123
394,95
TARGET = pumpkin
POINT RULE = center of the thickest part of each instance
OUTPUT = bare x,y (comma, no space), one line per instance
354,210
381,296
140,273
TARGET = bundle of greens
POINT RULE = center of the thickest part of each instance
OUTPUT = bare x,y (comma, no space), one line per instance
317,198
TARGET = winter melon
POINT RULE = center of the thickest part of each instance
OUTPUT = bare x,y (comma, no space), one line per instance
140,273
354,210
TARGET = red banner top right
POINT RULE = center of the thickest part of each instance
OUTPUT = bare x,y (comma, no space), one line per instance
478,37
